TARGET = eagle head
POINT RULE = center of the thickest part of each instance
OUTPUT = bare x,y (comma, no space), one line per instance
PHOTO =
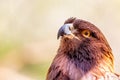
83,51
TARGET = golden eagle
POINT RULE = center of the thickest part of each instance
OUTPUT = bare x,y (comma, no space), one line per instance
83,54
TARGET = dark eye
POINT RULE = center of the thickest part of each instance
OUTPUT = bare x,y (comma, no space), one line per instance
86,33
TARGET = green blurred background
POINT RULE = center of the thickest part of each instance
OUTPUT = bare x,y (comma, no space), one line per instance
28,30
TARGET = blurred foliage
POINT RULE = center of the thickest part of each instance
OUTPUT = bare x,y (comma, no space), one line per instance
6,47
38,71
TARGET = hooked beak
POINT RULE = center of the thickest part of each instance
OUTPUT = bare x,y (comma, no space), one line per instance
65,30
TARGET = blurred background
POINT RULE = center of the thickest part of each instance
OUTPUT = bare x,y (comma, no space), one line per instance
28,30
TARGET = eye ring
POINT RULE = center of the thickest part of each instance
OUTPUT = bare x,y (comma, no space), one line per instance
86,33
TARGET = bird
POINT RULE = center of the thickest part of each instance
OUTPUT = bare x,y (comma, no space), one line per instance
83,54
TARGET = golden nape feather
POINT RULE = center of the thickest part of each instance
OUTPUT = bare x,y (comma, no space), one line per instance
110,76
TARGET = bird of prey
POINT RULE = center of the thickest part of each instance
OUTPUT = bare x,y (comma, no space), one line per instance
83,53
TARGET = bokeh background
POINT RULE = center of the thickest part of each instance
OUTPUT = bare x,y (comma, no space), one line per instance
28,30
